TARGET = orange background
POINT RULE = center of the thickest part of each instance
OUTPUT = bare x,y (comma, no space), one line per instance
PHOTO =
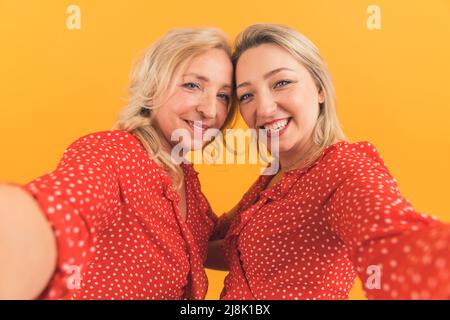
392,84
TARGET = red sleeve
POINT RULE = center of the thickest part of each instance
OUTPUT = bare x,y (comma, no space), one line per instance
79,197
398,253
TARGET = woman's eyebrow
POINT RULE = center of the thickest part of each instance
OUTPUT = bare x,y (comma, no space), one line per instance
205,79
265,76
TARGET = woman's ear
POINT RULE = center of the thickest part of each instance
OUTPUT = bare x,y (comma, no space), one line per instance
321,96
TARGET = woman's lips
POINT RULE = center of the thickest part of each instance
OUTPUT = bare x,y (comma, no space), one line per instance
197,127
279,131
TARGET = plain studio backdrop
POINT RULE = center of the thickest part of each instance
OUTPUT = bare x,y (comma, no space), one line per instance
64,69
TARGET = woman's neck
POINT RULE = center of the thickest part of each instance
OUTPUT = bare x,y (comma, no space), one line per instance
297,157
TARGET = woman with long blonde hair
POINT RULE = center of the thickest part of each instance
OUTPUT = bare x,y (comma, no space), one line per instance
333,210
119,218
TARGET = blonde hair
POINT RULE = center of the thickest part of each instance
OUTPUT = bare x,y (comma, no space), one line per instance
327,129
151,82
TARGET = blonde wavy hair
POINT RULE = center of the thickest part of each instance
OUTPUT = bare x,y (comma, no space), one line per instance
327,129
152,81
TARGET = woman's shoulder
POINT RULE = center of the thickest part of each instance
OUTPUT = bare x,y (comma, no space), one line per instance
354,151
118,145
108,137
354,157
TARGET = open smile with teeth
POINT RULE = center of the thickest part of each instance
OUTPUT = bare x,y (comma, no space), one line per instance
197,126
277,125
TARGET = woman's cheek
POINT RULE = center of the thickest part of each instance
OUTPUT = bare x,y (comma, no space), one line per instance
248,117
186,102
222,118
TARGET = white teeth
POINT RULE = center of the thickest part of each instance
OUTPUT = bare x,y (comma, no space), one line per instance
276,126
197,125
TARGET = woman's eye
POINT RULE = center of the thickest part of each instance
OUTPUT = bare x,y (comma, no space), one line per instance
191,85
282,83
224,97
244,97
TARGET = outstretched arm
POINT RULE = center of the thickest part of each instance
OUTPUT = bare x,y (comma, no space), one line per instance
77,200
398,253
27,245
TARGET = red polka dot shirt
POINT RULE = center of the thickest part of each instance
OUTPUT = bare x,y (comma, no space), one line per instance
120,234
310,234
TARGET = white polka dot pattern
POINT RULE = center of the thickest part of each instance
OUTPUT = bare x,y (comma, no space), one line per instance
116,218
309,235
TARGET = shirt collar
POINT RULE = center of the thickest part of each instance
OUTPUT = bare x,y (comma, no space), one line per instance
280,189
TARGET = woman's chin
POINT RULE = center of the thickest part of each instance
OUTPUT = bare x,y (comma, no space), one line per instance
283,146
196,144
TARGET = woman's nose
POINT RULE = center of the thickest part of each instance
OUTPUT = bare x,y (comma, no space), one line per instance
266,107
208,106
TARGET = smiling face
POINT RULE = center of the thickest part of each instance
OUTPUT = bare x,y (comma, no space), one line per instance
277,93
199,100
